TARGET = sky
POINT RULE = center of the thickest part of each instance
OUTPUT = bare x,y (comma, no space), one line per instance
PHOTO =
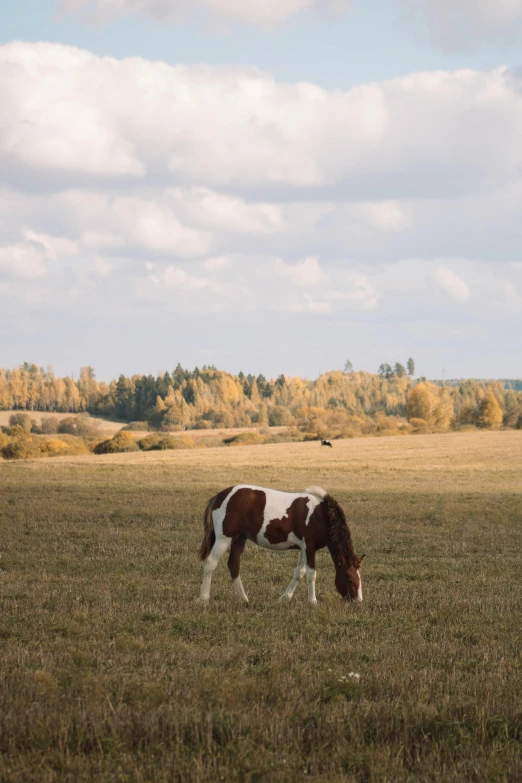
272,186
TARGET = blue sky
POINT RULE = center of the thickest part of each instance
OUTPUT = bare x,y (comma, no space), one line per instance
215,209
377,40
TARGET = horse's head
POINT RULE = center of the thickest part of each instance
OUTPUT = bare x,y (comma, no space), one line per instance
348,580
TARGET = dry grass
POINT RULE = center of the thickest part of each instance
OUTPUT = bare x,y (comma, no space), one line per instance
111,671
109,428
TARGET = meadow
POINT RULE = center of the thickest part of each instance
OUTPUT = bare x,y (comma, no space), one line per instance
111,671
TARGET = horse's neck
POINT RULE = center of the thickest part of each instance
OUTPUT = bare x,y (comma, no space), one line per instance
339,544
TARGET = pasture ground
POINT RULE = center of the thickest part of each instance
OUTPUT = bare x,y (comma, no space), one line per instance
108,427
110,671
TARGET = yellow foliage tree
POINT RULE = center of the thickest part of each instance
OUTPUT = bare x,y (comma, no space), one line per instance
433,405
490,413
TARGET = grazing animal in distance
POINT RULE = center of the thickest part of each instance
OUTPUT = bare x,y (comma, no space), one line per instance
326,443
307,521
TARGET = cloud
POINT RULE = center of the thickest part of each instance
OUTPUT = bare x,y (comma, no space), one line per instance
175,277
304,273
287,206
453,284
213,210
217,262
455,24
22,260
360,291
200,130
259,13
28,259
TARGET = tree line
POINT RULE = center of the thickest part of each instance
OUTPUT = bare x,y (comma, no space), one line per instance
210,398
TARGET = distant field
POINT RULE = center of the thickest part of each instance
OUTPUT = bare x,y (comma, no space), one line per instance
109,428
112,672
106,427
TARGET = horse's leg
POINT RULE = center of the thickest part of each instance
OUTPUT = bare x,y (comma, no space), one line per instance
310,575
234,559
221,546
298,575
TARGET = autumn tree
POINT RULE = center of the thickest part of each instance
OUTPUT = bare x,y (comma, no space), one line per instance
431,405
490,413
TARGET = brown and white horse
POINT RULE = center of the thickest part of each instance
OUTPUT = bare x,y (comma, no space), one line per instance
307,521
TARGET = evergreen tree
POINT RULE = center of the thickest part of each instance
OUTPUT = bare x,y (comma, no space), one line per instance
411,367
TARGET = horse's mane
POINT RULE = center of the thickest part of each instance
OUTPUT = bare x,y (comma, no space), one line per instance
338,531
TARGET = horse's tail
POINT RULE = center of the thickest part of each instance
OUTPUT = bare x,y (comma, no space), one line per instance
209,535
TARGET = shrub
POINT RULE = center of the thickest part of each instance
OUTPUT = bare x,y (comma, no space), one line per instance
419,425
17,431
74,444
29,446
278,416
21,448
121,442
52,447
137,426
49,425
290,435
172,442
21,420
81,426
149,441
245,439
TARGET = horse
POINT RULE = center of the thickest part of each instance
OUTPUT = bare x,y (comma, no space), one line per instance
275,520
326,443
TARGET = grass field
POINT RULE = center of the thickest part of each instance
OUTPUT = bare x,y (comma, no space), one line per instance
108,428
110,670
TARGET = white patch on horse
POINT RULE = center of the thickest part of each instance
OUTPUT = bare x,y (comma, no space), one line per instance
277,507
317,491
239,589
310,578
359,591
298,575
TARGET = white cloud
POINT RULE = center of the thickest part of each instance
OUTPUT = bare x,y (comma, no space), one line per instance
510,298
382,215
452,283
175,277
456,23
260,13
216,262
29,258
243,190
357,289
213,210
22,260
205,129
52,246
155,227
307,304
305,273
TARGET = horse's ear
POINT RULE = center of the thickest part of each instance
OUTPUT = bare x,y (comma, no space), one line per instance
361,559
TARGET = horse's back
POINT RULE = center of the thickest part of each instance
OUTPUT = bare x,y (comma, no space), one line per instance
269,517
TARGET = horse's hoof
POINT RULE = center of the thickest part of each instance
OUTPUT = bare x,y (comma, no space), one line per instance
285,599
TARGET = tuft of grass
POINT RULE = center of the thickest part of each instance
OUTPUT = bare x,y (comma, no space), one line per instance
112,671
